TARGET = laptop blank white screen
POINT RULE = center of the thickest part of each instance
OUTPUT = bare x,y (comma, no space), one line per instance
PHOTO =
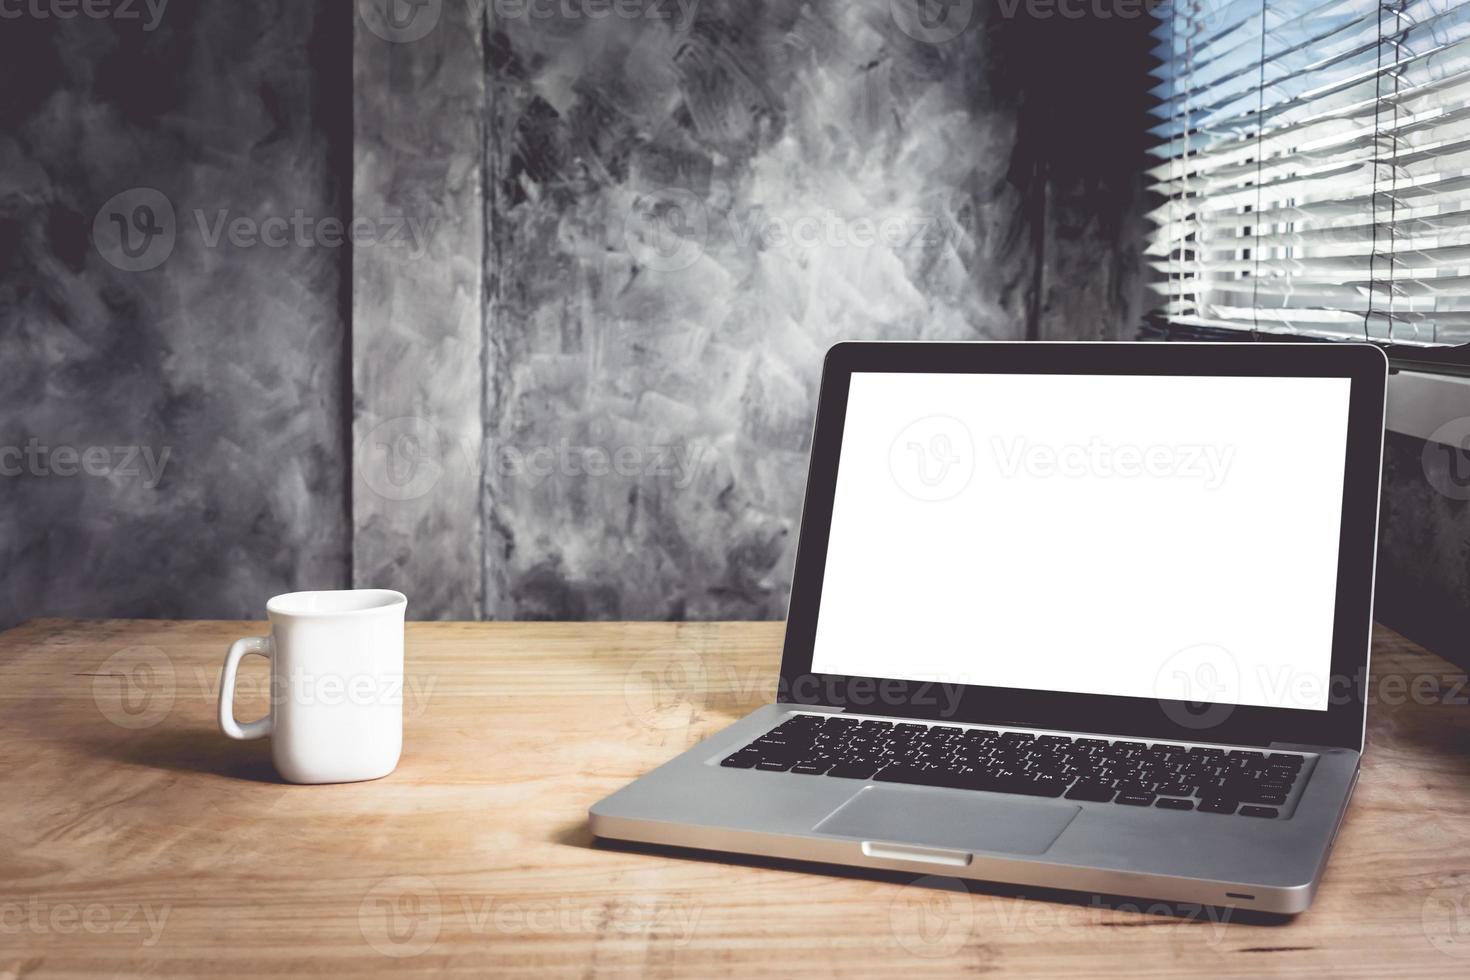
1155,537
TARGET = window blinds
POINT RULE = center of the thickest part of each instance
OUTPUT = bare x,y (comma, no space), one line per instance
1313,167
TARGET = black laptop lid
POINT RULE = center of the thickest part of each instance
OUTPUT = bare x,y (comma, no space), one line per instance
1161,540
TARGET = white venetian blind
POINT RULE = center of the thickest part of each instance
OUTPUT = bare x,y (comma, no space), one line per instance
1314,166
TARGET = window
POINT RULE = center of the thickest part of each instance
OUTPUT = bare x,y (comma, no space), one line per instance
1314,168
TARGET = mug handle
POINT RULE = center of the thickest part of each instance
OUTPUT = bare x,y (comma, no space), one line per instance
260,646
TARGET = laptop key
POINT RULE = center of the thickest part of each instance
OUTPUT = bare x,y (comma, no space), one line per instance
1259,811
1091,792
900,773
855,770
1164,803
1216,804
1135,799
775,765
811,768
1042,786
742,760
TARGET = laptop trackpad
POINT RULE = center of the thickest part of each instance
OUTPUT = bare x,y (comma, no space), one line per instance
953,819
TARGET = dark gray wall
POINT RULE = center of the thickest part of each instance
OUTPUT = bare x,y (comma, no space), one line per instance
1423,586
675,243
589,394
227,359
681,221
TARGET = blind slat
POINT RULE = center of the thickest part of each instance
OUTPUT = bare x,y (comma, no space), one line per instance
1324,189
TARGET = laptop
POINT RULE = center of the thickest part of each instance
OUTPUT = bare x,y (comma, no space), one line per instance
1091,617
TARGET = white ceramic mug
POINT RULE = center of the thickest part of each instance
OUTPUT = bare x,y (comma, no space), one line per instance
336,685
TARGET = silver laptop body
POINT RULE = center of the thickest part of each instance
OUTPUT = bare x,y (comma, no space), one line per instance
1090,617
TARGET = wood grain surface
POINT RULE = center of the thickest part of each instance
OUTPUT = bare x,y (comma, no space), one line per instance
135,840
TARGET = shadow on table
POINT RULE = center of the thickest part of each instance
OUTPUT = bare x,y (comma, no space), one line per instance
202,750
579,835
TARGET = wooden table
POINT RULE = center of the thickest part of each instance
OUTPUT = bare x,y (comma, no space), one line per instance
136,840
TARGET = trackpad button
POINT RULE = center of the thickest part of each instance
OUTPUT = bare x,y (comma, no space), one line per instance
951,819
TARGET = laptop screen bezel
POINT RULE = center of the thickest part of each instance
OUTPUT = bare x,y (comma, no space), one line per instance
1340,725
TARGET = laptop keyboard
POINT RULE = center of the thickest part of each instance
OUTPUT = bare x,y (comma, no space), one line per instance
1127,773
